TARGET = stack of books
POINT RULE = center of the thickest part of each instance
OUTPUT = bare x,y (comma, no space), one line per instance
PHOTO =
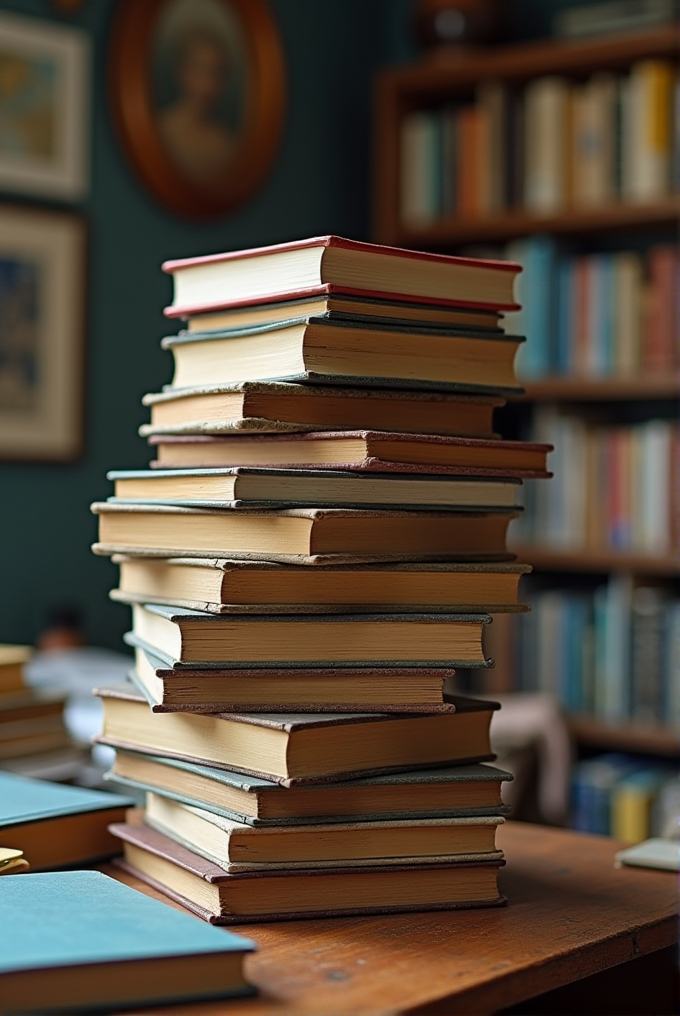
317,545
33,735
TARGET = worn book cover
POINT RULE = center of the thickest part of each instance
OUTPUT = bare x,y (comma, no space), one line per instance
328,887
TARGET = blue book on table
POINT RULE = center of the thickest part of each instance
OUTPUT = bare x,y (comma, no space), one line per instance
75,940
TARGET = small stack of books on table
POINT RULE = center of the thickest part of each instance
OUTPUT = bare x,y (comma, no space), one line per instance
317,545
33,735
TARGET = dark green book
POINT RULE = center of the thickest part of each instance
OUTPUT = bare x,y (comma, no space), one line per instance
453,791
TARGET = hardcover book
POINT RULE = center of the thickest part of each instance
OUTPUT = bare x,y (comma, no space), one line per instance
265,587
310,689
294,748
453,791
273,406
222,897
362,450
249,487
236,846
201,639
342,307
302,535
79,940
57,825
330,265
322,352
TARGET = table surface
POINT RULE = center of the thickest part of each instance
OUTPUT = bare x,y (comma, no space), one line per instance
571,914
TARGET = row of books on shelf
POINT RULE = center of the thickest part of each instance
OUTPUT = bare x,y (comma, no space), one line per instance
613,652
625,797
615,487
552,145
596,315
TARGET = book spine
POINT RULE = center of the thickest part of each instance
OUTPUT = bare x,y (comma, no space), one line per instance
418,158
546,144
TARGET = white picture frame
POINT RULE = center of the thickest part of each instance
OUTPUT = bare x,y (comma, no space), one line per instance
44,108
42,298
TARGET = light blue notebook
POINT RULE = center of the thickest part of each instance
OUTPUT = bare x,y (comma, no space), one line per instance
95,943
25,800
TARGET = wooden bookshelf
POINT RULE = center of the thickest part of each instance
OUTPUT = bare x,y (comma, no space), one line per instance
596,561
647,739
605,389
435,80
439,80
518,222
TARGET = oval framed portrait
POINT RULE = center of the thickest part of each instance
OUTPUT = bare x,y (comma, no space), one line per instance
198,92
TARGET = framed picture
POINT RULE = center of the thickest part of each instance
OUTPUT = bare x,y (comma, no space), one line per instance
198,90
42,295
44,93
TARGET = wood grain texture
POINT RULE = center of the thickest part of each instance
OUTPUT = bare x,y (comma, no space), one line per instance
571,915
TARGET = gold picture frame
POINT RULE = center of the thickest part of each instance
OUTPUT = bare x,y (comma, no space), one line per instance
42,298
198,93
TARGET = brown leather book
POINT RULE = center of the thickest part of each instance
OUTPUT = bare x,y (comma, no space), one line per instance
455,791
361,450
305,690
220,897
295,748
264,587
281,407
302,535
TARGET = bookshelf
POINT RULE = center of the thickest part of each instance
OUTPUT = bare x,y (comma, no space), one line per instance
613,399
547,558
435,81
612,219
642,738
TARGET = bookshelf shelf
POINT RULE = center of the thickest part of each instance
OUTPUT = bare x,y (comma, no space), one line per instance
585,389
635,737
596,561
518,223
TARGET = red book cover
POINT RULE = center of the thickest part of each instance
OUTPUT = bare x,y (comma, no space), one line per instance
468,154
311,287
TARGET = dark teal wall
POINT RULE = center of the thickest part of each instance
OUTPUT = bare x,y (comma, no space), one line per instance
320,183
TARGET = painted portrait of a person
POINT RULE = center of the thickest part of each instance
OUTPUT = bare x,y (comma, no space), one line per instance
200,84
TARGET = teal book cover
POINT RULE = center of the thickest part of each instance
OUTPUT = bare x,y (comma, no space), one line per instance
79,919
25,800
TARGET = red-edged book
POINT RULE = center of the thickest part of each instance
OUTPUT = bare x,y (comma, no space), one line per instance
325,265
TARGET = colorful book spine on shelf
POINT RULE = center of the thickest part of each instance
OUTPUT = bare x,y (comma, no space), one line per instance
553,145
611,652
597,315
615,486
625,797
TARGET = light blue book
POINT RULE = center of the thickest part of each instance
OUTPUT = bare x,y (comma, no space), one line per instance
564,325
57,826
81,940
539,291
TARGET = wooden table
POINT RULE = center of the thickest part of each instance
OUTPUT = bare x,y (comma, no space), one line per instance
572,917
